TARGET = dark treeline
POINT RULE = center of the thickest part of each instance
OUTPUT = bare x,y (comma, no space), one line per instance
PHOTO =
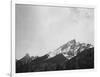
84,60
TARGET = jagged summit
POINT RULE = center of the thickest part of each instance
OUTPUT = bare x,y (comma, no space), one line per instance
71,55
73,41
70,49
25,59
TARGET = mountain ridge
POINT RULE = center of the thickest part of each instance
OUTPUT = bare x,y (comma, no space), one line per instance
59,59
70,47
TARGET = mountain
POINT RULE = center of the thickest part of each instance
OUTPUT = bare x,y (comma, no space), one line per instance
25,59
71,55
84,60
70,49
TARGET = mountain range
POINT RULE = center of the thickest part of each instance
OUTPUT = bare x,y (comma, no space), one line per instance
71,55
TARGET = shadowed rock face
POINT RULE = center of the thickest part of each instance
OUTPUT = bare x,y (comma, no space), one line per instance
72,55
83,60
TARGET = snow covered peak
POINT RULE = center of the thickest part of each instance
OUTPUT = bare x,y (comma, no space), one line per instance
70,49
72,41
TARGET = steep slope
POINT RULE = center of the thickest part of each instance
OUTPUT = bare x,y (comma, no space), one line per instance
84,60
72,55
70,49
56,59
39,59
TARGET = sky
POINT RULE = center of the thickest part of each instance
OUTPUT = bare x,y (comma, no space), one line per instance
41,29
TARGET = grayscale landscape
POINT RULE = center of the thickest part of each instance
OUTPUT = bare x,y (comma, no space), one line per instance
52,38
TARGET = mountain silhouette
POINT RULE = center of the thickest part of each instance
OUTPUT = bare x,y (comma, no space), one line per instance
71,55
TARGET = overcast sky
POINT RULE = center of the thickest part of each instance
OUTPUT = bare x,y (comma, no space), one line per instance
40,29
